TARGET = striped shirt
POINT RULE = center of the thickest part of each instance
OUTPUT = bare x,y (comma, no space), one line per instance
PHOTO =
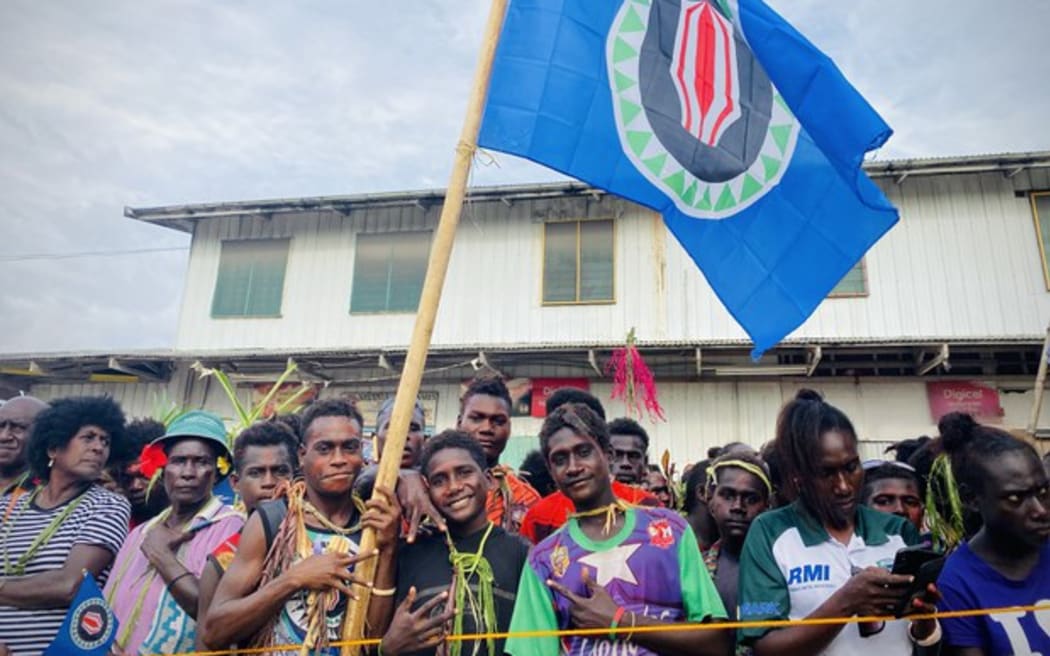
100,519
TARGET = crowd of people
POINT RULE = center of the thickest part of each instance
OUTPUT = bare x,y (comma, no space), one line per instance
586,548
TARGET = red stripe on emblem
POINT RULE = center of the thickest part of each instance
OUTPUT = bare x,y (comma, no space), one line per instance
705,64
687,120
727,45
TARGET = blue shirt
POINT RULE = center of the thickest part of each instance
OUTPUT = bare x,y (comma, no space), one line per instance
968,582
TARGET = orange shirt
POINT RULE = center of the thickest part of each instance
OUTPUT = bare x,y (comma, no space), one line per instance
553,510
512,491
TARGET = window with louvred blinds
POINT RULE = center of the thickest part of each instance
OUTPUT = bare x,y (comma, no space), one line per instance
251,278
579,262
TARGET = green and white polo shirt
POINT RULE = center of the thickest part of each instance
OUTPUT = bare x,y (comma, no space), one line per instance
790,566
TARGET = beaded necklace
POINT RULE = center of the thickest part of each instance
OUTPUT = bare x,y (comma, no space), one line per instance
483,605
19,567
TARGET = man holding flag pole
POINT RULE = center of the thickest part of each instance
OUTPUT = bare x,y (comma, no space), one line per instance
716,113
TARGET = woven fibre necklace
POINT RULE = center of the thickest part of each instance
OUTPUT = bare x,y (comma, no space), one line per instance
483,606
609,511
314,512
19,567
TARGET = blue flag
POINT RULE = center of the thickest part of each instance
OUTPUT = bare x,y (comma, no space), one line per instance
716,113
89,627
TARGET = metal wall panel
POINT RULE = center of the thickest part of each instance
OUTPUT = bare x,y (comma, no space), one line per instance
137,399
699,415
962,263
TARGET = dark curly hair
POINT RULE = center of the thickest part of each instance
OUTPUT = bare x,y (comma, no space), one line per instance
973,448
487,386
294,423
719,465
451,439
266,433
534,469
563,395
334,407
141,432
628,426
893,470
56,426
695,486
138,434
578,418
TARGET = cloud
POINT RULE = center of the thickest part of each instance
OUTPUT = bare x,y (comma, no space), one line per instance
185,101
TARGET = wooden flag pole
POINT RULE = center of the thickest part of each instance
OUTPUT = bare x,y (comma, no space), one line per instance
1040,385
440,252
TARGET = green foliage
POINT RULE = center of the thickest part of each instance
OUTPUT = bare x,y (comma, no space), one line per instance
245,415
944,506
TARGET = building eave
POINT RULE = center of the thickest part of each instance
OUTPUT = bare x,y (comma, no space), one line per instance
183,217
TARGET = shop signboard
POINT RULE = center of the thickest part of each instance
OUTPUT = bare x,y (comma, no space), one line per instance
977,399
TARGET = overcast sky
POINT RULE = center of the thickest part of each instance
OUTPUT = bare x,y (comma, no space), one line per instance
114,103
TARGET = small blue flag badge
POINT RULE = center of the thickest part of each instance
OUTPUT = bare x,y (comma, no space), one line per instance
716,113
89,627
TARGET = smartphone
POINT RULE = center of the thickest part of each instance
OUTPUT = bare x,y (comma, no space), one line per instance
908,561
924,565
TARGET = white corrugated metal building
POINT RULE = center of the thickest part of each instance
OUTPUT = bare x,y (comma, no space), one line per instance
546,280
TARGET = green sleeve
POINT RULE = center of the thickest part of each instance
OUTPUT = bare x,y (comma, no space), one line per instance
533,611
910,534
699,595
763,590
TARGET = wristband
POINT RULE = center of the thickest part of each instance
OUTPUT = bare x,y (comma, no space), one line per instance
616,621
929,640
172,582
383,592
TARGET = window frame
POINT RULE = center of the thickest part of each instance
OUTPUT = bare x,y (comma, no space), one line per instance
284,277
353,279
543,263
864,276
1039,237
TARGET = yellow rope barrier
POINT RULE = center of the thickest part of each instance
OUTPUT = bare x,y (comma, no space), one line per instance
709,626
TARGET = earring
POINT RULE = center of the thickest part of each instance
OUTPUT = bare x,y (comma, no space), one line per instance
50,463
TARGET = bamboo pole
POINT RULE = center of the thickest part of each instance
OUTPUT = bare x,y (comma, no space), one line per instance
437,267
1040,384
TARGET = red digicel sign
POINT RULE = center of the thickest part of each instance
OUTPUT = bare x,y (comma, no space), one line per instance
543,387
979,400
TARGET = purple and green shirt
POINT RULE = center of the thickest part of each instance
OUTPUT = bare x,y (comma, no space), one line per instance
652,567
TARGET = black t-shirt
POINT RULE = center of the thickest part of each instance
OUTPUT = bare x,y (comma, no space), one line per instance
425,565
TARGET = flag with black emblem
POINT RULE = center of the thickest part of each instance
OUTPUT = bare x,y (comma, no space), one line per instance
716,113
90,626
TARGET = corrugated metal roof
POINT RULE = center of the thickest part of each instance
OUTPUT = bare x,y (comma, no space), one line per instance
182,216
539,348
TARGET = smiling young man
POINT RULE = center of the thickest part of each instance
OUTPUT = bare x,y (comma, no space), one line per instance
489,558
265,596
484,414
612,565
155,585
552,511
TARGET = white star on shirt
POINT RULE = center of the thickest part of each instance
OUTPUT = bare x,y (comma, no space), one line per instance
612,564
